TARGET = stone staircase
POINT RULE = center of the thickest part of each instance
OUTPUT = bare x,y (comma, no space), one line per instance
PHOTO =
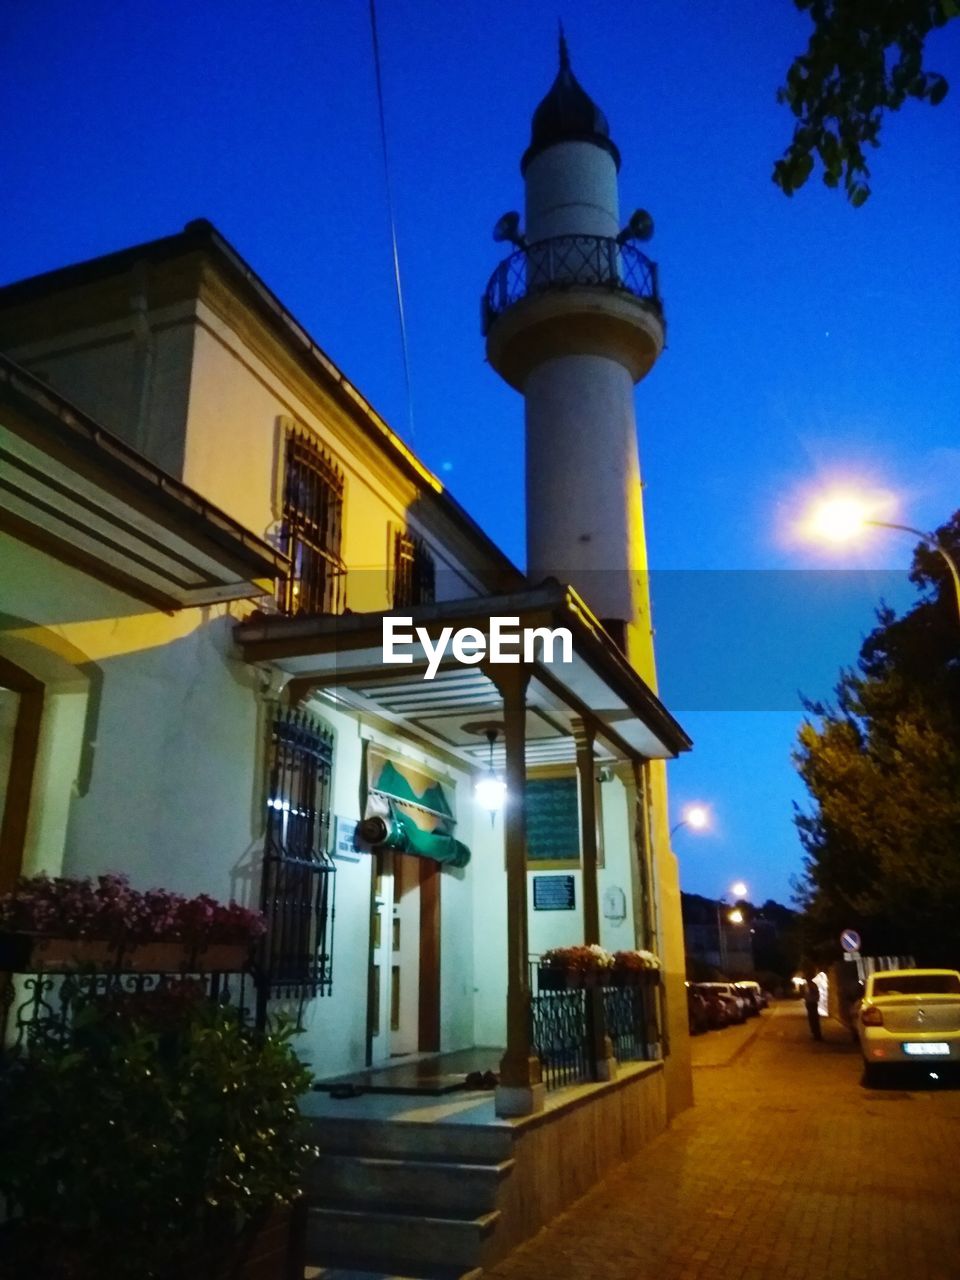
404,1199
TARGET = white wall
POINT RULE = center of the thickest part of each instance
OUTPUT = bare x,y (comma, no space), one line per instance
149,738
235,432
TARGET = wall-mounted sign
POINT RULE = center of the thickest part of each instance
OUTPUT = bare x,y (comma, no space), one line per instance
554,893
552,820
345,839
614,903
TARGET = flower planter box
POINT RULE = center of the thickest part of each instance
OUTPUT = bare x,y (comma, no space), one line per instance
635,977
573,979
37,953
626,977
557,979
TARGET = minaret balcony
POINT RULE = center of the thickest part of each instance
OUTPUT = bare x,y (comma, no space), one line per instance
573,294
563,262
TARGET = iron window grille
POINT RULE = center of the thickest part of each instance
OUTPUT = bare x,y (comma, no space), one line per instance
414,572
311,529
297,893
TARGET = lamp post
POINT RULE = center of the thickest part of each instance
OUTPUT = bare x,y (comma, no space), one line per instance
839,519
696,816
739,889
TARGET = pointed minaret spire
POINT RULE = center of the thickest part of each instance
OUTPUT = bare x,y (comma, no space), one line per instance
564,51
568,114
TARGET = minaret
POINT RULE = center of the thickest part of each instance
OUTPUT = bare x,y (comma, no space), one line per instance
572,320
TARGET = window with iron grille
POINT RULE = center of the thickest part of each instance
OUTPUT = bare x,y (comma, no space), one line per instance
311,529
414,572
298,873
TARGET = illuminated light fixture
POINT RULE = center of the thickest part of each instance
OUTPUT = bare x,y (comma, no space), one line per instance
842,517
735,916
490,791
839,518
697,816
739,889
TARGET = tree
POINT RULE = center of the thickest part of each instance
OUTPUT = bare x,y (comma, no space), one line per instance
882,766
864,57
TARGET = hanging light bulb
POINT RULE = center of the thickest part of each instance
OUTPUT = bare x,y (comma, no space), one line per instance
490,791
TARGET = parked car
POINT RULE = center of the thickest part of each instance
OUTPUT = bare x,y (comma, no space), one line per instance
735,1003
717,1007
698,1013
909,1016
751,992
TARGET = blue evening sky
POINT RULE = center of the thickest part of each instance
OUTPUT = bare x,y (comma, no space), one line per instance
808,341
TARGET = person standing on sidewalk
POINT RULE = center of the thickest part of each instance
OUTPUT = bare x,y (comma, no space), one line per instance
811,999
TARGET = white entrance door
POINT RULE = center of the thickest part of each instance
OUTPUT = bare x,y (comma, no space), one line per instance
395,958
405,969
381,948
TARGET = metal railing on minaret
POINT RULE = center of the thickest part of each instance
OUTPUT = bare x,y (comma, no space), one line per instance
562,262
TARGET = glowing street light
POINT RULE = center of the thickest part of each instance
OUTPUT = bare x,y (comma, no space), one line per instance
696,816
735,916
843,517
839,518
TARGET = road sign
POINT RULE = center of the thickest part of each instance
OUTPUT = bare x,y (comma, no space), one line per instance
850,940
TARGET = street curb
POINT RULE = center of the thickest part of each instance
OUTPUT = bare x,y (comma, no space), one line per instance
741,1047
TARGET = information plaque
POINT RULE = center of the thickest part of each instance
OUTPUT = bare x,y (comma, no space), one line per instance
554,893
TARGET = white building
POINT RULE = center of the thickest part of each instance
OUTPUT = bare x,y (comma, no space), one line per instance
202,526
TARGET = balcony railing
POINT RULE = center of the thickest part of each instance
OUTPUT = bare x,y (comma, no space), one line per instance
564,262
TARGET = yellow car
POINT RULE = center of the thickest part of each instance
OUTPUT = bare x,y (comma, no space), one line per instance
909,1016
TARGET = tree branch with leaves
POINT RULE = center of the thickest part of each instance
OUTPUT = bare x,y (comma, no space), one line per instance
864,58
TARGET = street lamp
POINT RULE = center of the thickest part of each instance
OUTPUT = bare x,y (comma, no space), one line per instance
696,816
739,889
840,518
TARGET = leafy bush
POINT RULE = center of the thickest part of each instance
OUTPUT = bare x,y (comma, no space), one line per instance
144,1142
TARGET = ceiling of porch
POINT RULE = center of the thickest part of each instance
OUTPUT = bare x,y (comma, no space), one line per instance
450,708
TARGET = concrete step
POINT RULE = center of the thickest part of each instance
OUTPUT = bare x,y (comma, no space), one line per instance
411,1271
383,1238
425,1185
464,1143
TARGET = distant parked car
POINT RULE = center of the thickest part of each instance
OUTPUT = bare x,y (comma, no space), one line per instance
751,992
698,1014
736,1004
909,1016
717,1007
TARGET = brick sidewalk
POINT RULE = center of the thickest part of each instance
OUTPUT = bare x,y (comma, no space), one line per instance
787,1168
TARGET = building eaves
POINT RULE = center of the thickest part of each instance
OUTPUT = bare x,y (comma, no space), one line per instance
78,445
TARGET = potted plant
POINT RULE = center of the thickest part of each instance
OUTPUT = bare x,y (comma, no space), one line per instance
160,1139
578,966
56,924
633,967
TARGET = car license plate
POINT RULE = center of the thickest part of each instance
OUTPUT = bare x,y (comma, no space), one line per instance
927,1049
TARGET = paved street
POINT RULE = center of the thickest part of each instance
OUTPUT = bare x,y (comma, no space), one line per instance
787,1168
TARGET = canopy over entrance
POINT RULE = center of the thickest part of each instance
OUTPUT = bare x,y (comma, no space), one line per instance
597,687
